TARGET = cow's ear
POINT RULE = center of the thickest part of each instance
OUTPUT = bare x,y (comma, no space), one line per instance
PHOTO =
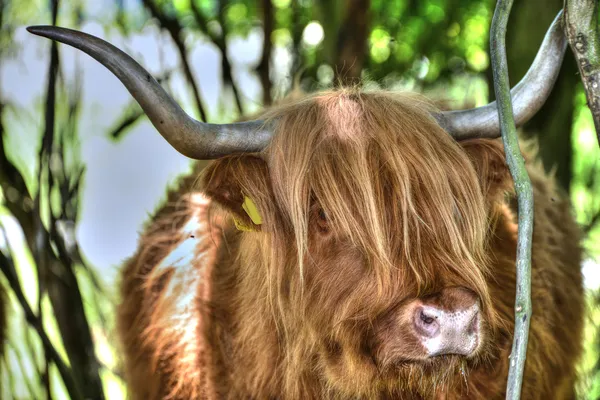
241,185
487,156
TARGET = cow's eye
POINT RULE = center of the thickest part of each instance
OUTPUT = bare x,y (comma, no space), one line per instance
322,215
322,221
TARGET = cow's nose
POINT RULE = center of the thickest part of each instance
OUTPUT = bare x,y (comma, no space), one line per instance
448,331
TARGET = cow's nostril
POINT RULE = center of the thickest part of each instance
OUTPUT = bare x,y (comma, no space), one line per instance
474,324
426,319
448,331
426,322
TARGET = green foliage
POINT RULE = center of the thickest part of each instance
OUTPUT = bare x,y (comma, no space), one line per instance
585,185
435,46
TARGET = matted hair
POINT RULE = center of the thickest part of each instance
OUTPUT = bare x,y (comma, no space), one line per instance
396,188
387,176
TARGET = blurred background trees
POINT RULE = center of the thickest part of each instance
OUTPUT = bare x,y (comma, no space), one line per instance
81,167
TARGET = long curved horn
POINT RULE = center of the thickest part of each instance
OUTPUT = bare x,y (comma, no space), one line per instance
528,96
192,138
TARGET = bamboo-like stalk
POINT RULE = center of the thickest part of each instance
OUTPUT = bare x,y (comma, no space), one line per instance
524,191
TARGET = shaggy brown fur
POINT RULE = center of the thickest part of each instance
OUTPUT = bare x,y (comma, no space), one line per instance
367,204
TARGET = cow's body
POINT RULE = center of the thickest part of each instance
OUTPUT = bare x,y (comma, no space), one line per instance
205,315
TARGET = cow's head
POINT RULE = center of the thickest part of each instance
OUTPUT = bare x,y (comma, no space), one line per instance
373,235
375,216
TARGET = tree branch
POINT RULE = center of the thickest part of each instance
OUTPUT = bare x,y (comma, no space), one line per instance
221,42
583,32
17,198
56,272
265,61
39,252
132,114
351,48
175,29
592,224
296,39
524,191
8,269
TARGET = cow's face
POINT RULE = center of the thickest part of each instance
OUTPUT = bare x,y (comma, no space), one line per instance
378,223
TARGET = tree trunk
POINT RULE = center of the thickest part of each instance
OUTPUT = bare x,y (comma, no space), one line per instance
351,48
528,24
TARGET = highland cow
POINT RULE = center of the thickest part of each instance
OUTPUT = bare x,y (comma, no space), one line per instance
349,245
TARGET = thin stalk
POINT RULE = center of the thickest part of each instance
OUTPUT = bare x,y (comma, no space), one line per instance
524,191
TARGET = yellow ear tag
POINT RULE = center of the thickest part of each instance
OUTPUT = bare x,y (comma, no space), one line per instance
241,226
251,210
